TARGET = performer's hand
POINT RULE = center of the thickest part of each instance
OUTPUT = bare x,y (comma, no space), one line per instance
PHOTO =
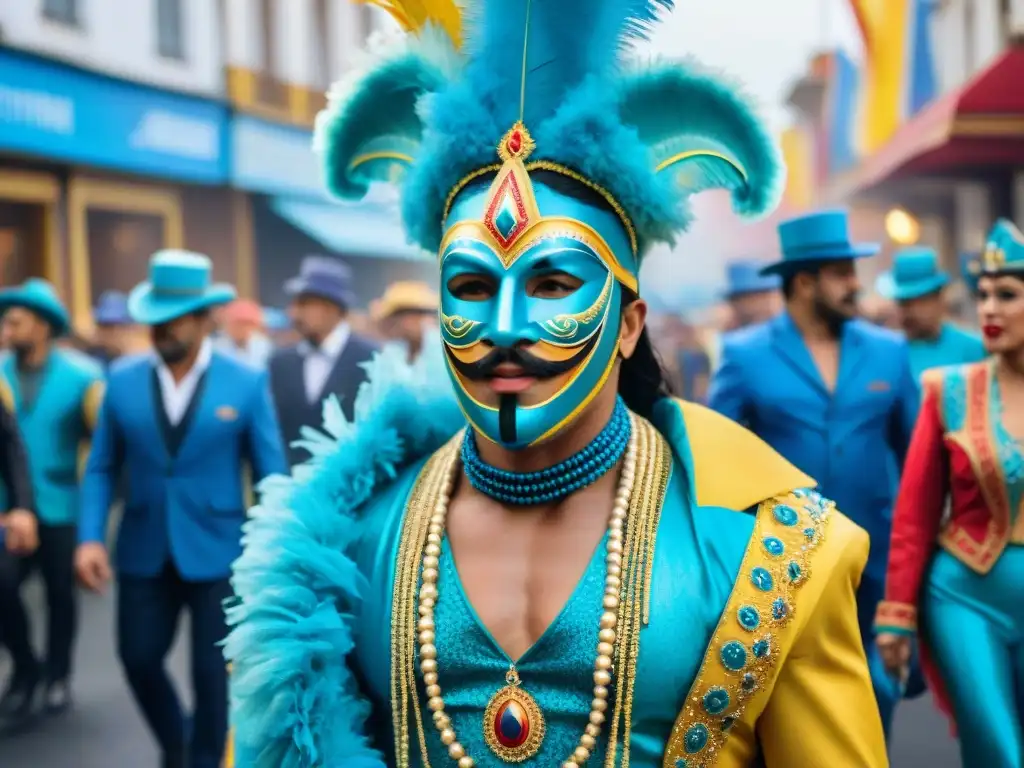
92,566
21,531
894,650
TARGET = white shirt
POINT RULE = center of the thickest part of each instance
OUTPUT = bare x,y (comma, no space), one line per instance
319,361
178,394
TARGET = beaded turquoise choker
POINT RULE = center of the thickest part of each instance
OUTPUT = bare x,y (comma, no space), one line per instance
557,482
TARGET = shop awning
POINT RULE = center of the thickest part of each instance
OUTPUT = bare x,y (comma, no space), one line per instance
365,230
980,124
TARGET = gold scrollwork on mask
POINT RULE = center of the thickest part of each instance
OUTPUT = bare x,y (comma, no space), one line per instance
565,326
458,326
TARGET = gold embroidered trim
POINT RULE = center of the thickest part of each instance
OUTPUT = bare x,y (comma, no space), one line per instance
405,702
654,464
742,657
545,165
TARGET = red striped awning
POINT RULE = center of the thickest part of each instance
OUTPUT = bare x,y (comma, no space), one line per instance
979,125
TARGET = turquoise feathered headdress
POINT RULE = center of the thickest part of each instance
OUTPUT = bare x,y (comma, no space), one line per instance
430,111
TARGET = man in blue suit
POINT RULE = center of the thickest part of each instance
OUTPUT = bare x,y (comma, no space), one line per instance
917,284
182,423
834,394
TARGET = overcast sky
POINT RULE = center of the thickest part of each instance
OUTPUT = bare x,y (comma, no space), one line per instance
766,44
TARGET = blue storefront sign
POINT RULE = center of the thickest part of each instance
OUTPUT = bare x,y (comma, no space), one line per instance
60,112
279,162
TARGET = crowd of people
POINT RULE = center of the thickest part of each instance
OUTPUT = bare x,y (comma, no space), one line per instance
489,531
169,440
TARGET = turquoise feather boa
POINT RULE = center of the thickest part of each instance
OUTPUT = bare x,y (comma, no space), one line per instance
294,699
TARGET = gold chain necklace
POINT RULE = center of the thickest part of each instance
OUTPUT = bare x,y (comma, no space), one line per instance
513,723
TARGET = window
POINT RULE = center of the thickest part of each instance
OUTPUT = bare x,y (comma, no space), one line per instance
170,40
63,11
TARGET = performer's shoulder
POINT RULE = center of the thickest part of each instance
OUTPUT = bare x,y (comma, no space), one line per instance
732,467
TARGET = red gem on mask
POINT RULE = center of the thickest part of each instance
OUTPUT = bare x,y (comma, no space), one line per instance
515,143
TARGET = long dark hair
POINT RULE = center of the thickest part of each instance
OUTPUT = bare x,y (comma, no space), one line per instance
642,381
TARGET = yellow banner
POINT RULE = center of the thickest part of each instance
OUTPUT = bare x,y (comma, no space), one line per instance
797,151
884,26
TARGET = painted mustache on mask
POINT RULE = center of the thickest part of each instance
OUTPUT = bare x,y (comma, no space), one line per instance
533,366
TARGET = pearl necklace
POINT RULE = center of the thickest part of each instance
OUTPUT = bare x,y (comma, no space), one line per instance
607,635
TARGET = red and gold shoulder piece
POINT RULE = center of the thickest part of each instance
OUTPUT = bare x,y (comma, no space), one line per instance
742,660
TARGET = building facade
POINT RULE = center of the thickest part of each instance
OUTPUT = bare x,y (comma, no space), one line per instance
113,142
281,57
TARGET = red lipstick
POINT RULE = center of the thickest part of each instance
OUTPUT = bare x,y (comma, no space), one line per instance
992,331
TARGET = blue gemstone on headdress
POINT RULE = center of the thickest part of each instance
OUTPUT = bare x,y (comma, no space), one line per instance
734,656
696,738
785,514
682,762
794,571
809,533
749,682
727,723
774,546
749,617
506,220
762,579
780,609
716,701
762,648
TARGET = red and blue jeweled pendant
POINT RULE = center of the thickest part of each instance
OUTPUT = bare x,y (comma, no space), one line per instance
513,723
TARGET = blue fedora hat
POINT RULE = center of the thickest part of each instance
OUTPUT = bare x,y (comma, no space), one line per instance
41,297
817,237
915,273
179,284
325,278
744,277
112,309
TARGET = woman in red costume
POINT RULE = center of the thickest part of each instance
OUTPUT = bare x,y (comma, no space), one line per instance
959,581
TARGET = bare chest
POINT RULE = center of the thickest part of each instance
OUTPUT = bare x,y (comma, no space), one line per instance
519,571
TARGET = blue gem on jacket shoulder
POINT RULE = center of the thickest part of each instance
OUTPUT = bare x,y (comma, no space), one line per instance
785,514
696,738
794,571
774,546
749,683
762,648
716,701
780,609
734,656
749,617
762,579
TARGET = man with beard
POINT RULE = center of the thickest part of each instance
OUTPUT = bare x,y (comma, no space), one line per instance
55,394
917,285
832,393
181,423
329,359
522,550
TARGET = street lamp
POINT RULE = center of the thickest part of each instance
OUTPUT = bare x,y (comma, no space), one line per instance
901,227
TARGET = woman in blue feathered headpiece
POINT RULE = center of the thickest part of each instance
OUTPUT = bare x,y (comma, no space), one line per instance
413,596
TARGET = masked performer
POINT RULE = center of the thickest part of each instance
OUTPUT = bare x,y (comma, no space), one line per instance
590,572
961,582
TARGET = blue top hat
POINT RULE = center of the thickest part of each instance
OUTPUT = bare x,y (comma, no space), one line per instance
179,284
325,278
1004,251
41,297
112,309
817,237
915,273
744,277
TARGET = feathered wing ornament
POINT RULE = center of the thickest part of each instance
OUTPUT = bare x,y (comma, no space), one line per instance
704,134
371,130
